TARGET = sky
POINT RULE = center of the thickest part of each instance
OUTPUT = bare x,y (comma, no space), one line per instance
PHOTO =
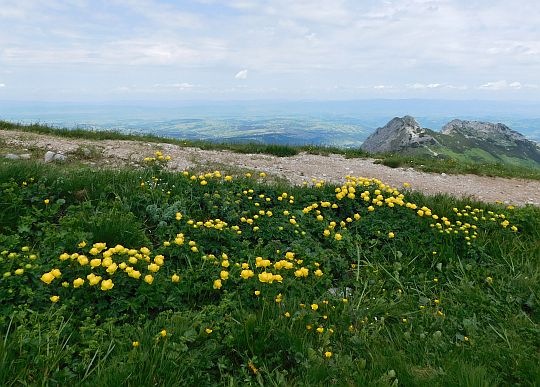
153,50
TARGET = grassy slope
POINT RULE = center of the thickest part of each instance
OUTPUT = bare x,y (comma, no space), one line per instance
389,329
456,163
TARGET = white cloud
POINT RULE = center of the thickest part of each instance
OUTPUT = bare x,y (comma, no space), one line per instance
177,86
2,85
501,85
432,86
288,45
242,74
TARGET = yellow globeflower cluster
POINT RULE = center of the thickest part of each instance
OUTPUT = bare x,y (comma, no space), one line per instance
376,194
107,262
158,156
22,260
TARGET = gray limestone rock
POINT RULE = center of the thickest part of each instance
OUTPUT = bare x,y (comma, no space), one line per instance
59,157
496,133
398,134
49,156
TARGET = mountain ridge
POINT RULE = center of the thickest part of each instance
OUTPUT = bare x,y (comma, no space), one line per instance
459,139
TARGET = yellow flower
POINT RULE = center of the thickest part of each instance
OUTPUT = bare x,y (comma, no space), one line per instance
112,268
260,262
82,244
148,279
391,235
153,267
54,298
159,260
135,344
320,330
47,278
19,271
163,333
224,275
246,274
135,274
338,237
175,278
489,280
107,285
266,277
257,293
328,354
82,259
314,306
287,314
318,272
302,272
78,282
56,272
208,330
217,284
93,279
47,201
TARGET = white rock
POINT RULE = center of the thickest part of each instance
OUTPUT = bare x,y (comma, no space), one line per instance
25,156
49,156
11,156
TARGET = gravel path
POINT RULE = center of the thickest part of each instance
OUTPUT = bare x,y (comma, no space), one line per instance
296,169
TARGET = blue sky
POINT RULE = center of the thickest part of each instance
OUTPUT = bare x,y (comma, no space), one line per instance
149,50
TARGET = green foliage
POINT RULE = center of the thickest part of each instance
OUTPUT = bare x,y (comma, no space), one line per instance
452,165
401,296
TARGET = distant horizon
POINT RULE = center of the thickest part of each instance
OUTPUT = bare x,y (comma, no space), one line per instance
212,119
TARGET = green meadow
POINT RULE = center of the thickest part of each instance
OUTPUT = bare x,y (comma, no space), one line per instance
150,277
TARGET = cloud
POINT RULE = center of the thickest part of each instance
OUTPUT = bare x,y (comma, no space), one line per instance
177,86
424,86
432,86
501,85
2,85
289,46
242,74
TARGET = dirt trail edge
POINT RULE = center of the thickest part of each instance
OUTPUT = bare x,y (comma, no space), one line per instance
295,169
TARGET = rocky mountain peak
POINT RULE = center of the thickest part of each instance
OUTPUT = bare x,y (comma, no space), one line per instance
483,130
399,133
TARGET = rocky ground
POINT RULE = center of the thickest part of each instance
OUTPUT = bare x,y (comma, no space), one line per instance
296,169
